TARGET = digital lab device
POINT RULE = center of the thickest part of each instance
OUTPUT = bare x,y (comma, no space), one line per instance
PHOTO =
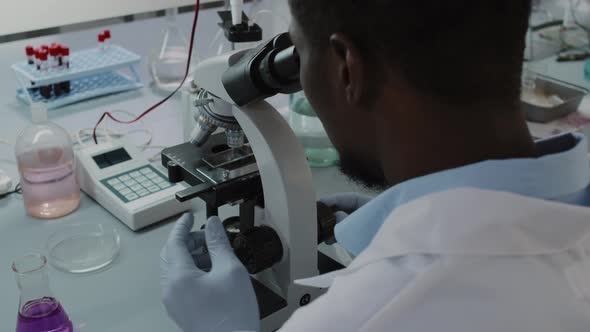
120,179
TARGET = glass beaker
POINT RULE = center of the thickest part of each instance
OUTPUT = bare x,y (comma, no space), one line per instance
38,309
168,61
46,163
311,133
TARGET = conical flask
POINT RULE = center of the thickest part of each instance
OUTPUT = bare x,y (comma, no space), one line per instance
38,309
168,61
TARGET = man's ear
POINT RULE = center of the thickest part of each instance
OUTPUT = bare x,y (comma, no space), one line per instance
350,67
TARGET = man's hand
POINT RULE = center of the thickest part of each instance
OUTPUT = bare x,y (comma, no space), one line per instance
220,300
345,203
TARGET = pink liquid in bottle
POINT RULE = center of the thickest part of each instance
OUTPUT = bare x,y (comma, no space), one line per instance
43,315
50,191
47,168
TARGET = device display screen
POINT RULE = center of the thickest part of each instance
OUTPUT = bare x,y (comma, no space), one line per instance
111,158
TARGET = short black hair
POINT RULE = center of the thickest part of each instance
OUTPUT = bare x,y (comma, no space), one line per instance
455,51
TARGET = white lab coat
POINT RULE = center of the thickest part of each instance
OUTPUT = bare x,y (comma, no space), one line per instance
463,260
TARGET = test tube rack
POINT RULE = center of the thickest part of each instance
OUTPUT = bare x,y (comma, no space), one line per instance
92,73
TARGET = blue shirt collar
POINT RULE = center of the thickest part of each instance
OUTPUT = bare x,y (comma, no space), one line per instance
550,176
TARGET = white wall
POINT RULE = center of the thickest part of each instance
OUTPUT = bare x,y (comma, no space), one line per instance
26,15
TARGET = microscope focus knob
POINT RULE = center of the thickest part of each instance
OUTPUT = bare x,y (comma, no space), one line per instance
258,248
174,172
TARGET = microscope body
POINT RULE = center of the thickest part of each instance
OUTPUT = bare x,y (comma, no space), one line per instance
265,172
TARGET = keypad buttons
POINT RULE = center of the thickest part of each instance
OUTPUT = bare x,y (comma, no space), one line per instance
113,182
147,183
130,183
125,191
131,197
137,183
164,185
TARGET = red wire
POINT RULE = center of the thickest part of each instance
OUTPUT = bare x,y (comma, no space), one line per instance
188,64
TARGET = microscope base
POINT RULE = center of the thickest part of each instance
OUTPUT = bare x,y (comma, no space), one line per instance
275,311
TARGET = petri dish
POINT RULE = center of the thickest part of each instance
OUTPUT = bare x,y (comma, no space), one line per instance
83,248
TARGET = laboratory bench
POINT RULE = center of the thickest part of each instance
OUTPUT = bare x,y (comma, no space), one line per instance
126,296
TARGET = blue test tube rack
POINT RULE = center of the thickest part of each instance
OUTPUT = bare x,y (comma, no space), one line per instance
92,73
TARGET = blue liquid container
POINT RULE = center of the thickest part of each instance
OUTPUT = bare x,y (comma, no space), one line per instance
311,133
38,310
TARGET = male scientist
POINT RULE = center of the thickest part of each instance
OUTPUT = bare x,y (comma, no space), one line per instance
421,99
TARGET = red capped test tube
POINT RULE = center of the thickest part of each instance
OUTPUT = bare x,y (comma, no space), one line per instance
43,56
59,56
101,39
107,38
46,89
54,57
38,58
30,51
65,56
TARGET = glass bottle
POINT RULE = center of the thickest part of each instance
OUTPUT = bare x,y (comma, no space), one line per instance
168,61
46,164
311,133
38,309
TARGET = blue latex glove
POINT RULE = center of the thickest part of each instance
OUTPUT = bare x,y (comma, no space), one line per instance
345,203
221,300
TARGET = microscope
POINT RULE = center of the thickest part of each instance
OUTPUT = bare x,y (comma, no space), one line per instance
243,153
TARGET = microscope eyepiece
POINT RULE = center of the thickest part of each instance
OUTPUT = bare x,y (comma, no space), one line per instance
263,72
280,68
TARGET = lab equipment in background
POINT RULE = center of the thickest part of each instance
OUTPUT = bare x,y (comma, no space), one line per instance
558,27
545,99
543,34
120,179
311,133
237,30
46,60
85,74
39,310
47,168
168,61
237,27
278,229
83,248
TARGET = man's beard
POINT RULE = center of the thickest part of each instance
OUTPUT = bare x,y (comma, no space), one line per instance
363,172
